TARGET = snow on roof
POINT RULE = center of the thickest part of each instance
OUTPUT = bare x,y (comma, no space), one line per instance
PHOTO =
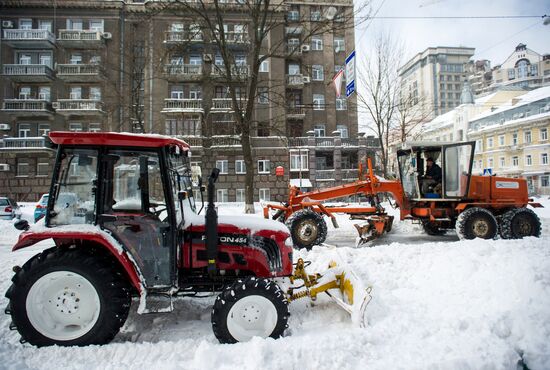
305,183
440,121
512,122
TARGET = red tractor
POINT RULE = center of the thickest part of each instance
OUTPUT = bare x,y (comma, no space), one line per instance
131,230
476,206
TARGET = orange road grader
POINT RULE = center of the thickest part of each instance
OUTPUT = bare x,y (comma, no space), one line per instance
476,206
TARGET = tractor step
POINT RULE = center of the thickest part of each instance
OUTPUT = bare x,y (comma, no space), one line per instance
157,304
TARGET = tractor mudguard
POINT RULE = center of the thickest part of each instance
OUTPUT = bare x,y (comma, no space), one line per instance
62,236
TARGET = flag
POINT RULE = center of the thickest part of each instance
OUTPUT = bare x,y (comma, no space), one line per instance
337,81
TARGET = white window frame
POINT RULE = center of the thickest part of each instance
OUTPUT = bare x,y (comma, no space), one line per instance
339,45
294,69
515,138
100,27
299,160
239,195
23,26
318,102
490,163
528,160
263,95
319,130
501,140
46,169
223,166
489,143
75,93
317,72
24,130
341,104
71,22
94,127
502,162
264,195
95,93
264,166
43,129
176,92
76,126
20,172
317,43
344,131
544,158
44,93
515,161
240,167
264,65
527,137
222,195
543,134
45,24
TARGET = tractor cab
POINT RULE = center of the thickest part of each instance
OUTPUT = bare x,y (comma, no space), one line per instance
435,171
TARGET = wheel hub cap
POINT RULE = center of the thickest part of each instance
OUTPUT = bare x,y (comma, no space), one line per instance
251,316
307,231
480,228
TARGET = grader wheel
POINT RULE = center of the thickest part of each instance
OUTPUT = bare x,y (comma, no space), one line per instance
308,228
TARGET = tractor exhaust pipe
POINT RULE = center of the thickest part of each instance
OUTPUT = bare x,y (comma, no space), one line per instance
211,221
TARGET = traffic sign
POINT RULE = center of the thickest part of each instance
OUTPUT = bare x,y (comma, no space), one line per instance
350,74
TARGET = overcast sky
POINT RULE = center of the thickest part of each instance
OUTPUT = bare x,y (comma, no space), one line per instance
493,39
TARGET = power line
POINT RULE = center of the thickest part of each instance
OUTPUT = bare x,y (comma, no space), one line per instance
457,17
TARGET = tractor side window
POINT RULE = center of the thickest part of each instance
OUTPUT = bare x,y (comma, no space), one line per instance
457,166
407,167
75,188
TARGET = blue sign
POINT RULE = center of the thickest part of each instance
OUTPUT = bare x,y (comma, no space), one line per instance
350,74
487,172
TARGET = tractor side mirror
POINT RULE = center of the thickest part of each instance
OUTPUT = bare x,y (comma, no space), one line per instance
203,188
214,176
22,225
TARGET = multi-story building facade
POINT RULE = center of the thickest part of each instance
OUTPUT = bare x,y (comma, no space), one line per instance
117,66
512,140
435,76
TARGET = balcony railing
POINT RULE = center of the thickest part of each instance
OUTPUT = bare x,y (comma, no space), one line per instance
324,141
79,35
293,49
27,70
183,105
26,105
293,30
183,70
78,69
29,35
297,141
325,174
234,37
239,71
296,112
23,142
349,142
182,36
226,104
225,141
195,141
295,80
84,105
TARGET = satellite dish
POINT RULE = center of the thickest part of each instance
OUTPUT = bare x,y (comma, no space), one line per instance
330,13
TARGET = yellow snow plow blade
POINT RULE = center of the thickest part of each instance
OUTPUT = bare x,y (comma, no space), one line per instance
339,282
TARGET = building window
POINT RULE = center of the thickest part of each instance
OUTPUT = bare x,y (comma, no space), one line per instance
24,130
42,169
319,130
75,126
479,146
239,196
293,15
94,127
544,158
293,69
263,166
502,162
22,169
480,164
44,93
318,102
341,104
222,165
95,93
263,95
25,24
515,138
176,92
317,72
299,161
75,59
76,93
240,167
515,161
195,60
527,137
315,15
339,46
222,196
511,74
543,134
74,24
490,163
264,65
316,43
343,131
265,195
489,143
501,140
43,129
528,160
96,25
544,183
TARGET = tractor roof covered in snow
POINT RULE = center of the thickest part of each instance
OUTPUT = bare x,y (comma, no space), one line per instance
115,139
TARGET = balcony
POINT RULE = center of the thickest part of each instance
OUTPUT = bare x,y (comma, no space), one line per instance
236,71
24,143
82,107
79,39
27,107
294,142
234,38
326,142
79,72
329,175
29,38
182,106
226,141
225,105
178,37
295,81
350,143
293,30
294,50
193,141
183,72
350,174
296,113
28,72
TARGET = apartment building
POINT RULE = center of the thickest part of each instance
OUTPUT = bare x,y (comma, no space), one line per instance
119,66
512,140
435,76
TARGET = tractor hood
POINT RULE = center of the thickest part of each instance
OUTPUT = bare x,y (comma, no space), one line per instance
254,224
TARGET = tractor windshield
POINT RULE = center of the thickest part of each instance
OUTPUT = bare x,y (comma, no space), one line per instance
407,170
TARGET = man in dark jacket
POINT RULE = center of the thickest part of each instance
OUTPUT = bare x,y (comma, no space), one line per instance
432,177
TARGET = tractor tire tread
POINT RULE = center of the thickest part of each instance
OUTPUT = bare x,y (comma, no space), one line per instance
464,219
505,223
307,213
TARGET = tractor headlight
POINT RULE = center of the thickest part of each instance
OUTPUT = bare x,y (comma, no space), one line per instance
288,242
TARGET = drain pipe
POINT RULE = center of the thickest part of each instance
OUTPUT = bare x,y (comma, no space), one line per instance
121,67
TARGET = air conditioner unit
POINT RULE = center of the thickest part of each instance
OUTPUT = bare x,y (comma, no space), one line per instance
107,35
7,24
306,79
305,48
4,126
55,105
207,57
4,167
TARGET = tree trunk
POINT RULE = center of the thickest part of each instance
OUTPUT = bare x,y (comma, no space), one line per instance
249,176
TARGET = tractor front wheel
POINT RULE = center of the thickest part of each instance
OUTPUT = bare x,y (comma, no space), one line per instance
476,222
519,223
308,228
252,307
68,297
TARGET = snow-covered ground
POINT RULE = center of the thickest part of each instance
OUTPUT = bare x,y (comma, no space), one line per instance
438,303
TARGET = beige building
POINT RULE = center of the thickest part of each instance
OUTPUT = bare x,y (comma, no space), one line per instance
115,66
512,140
435,76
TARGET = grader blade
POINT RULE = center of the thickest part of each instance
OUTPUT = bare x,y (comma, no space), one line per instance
374,228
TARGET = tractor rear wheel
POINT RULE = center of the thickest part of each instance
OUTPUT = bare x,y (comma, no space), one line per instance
307,227
68,297
252,307
476,222
519,223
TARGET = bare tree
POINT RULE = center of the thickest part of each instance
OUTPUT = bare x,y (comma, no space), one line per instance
412,111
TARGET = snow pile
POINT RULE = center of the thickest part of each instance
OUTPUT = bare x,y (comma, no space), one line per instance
437,303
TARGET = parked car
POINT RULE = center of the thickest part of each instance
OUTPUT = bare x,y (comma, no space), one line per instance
40,210
9,209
